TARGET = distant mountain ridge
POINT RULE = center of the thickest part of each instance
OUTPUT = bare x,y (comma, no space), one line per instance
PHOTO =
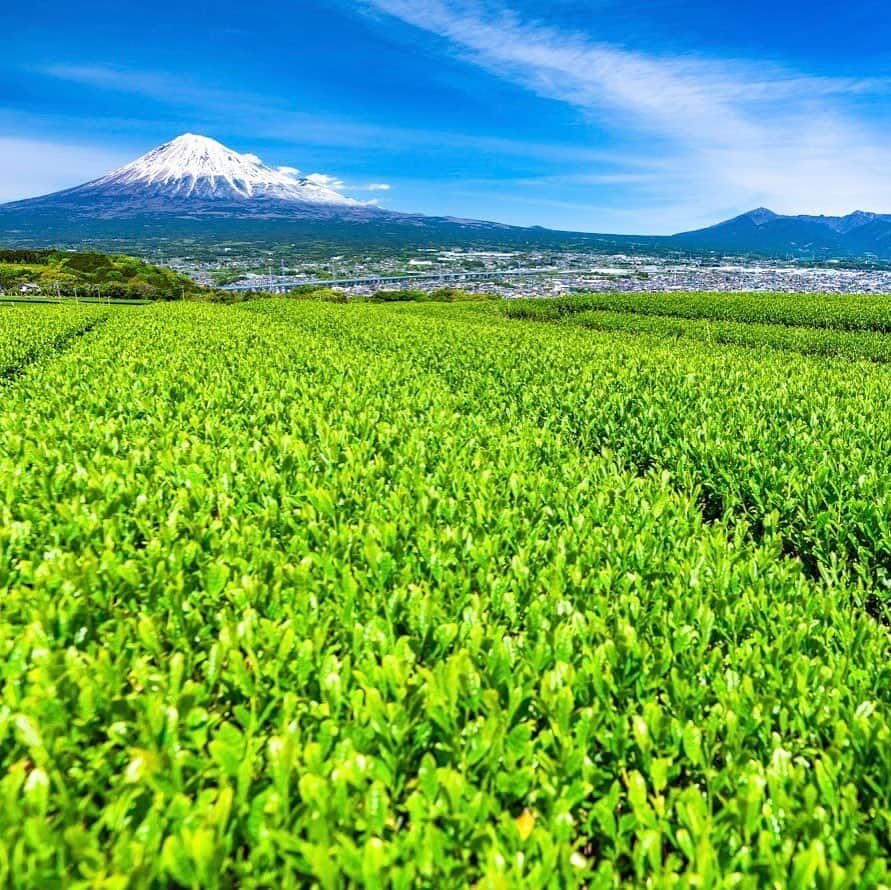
195,188
857,235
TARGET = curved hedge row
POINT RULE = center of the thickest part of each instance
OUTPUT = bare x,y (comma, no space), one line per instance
31,333
846,312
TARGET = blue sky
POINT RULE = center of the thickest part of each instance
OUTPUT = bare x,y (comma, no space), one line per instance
635,116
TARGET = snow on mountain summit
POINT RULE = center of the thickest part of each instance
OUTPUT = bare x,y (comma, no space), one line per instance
199,167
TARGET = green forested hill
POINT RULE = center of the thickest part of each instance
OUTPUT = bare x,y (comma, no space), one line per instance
90,273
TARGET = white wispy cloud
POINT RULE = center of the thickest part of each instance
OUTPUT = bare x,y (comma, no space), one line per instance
325,181
756,133
154,85
269,119
378,187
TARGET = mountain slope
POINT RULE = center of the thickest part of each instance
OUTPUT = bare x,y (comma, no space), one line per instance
190,175
764,232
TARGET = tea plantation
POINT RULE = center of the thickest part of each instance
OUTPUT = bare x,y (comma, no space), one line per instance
445,595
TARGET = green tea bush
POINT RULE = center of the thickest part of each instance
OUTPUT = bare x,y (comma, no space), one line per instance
30,333
870,345
297,594
841,311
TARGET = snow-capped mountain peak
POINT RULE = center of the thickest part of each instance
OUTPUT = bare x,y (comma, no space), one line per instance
193,166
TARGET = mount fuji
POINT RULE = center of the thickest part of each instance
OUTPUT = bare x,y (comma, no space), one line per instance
195,167
196,188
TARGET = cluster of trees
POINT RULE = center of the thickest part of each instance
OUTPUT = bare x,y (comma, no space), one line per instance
441,295
332,295
92,274
22,257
